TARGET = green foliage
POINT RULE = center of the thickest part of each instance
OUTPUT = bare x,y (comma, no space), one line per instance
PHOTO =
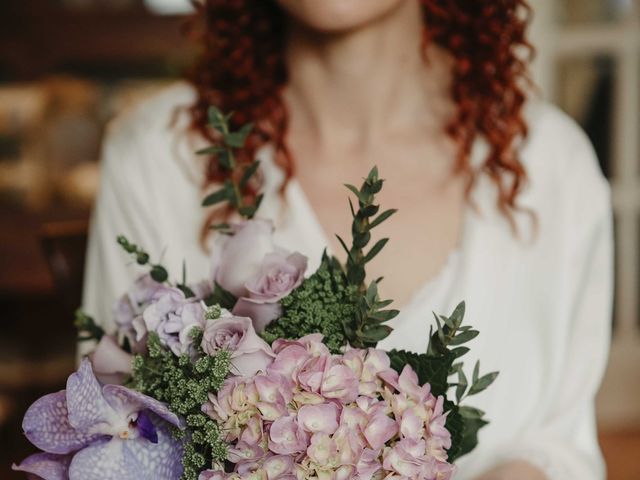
432,370
437,365
336,301
87,327
233,189
366,328
184,384
157,272
221,297
363,223
322,304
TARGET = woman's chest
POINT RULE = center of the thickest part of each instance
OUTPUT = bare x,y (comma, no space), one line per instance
422,233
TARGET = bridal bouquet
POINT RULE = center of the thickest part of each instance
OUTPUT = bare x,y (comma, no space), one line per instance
265,371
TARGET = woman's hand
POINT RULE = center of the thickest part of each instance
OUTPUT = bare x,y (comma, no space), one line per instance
514,470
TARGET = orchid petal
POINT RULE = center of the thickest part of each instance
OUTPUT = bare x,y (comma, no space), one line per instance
46,425
123,459
146,428
126,402
47,466
85,402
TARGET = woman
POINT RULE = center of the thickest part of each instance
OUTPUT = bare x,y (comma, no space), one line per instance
501,202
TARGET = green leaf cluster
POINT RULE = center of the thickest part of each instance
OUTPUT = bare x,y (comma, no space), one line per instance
364,220
437,365
157,272
366,328
234,188
87,327
324,303
184,385
335,300
221,297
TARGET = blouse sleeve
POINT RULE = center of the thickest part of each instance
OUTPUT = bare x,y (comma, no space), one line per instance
122,207
565,445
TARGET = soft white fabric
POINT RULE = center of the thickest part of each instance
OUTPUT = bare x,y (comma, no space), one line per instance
542,304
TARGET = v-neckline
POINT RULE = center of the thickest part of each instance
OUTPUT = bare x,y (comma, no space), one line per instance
297,195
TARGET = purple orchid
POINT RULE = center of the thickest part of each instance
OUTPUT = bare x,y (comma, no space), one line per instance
94,432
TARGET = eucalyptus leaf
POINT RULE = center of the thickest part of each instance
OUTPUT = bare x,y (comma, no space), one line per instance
361,240
460,351
470,412
221,297
382,304
237,139
384,315
357,193
218,196
225,159
376,186
248,173
212,150
381,218
372,293
376,333
369,210
344,245
379,245
217,119
448,322
476,372
464,337
462,385
482,383
188,293
458,314
353,212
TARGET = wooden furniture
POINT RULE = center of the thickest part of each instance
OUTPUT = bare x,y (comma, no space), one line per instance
64,244
39,38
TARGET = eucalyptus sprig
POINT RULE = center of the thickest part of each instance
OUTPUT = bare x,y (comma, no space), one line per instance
361,226
365,328
157,271
451,333
234,188
437,365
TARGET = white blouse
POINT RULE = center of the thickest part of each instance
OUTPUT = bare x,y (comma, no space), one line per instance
542,301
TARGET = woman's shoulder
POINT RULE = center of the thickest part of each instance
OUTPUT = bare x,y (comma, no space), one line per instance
150,134
559,158
155,113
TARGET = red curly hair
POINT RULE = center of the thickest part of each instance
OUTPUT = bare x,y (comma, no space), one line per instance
241,68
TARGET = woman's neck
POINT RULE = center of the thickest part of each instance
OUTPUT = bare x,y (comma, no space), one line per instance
356,86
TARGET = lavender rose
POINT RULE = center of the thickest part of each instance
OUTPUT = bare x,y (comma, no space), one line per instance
111,364
242,254
279,274
173,317
249,353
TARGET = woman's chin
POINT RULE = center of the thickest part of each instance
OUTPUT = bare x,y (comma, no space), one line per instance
338,16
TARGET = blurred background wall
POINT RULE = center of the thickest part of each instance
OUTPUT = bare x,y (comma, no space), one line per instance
68,66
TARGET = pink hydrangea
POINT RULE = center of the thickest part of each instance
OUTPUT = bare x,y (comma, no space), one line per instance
315,415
